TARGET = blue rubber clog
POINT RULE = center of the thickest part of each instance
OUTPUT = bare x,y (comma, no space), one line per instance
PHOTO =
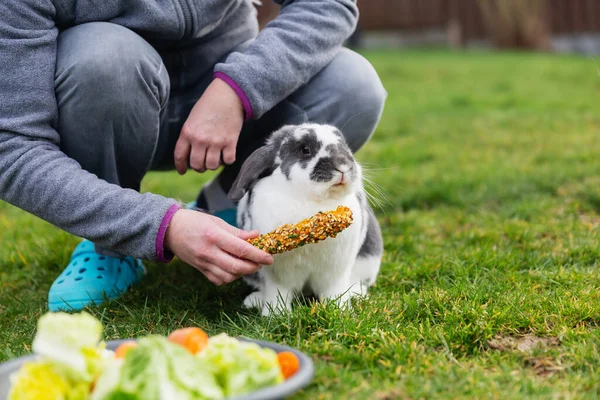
92,278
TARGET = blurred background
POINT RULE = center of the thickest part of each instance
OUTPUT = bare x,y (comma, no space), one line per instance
566,26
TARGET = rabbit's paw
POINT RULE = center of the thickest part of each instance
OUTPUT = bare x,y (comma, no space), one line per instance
254,300
276,300
275,309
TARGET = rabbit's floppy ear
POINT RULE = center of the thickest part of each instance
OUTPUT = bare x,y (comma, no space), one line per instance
259,162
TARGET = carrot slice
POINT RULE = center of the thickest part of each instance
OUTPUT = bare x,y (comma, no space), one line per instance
288,363
193,339
124,348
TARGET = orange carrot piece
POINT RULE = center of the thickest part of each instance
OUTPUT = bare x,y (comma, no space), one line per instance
288,363
193,339
124,348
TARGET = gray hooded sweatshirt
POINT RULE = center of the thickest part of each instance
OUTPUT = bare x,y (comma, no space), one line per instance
36,176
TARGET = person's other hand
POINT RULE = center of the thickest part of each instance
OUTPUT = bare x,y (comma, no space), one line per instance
210,134
217,249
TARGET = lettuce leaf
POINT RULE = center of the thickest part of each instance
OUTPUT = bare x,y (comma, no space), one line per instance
71,343
240,367
158,370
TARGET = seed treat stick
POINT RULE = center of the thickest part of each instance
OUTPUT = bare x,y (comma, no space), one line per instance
311,230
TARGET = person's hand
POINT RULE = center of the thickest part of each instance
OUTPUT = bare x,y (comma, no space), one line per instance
210,134
217,249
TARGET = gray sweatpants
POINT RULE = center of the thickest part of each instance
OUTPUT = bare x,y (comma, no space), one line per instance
123,99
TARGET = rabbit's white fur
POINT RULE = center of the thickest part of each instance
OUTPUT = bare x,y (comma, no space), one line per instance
329,269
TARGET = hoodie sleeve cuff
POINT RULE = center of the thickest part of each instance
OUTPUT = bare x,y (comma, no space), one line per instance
163,255
238,90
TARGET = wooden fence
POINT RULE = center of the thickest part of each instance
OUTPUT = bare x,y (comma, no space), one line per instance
562,16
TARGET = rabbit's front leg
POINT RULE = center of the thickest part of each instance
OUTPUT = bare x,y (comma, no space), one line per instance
276,298
335,287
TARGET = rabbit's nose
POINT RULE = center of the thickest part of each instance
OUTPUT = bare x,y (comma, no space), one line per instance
343,168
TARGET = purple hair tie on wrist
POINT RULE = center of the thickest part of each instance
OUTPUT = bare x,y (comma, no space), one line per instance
238,90
163,255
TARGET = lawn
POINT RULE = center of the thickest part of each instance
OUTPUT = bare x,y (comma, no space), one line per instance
488,171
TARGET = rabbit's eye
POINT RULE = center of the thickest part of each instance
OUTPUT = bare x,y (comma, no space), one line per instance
305,150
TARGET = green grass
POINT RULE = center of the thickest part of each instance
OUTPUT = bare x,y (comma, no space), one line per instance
490,164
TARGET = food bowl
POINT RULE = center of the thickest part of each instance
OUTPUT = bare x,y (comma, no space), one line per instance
290,386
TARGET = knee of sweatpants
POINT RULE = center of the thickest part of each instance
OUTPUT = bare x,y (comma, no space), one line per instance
107,73
108,61
358,94
111,86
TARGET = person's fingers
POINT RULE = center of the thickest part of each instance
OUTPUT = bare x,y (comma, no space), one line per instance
235,266
198,159
181,155
242,249
242,234
221,274
213,278
245,235
213,158
213,273
229,154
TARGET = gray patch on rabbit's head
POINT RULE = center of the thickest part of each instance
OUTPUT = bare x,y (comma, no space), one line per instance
338,133
277,137
298,146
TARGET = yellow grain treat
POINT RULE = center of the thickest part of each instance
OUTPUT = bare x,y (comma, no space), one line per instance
311,230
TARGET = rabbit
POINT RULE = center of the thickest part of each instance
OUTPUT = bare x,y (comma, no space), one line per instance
301,170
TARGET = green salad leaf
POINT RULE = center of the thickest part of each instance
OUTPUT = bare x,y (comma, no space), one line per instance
240,367
71,342
158,370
